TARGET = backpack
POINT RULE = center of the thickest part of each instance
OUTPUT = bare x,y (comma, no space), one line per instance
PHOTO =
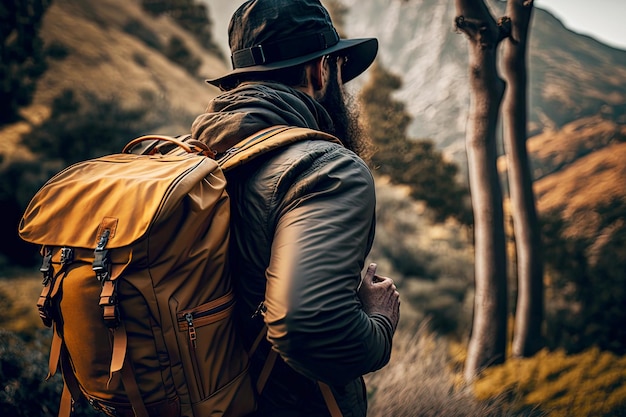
136,281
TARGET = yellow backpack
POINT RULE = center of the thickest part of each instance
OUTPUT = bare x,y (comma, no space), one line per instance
136,279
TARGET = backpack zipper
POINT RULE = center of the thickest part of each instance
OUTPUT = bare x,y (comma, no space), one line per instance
205,314
189,319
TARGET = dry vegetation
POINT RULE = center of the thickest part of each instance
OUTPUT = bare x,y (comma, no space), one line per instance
422,381
586,183
116,60
433,264
591,384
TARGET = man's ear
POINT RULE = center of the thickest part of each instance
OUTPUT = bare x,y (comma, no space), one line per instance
319,74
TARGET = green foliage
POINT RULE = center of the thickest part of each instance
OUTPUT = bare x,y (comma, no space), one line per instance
591,384
82,127
586,291
190,15
410,162
18,183
176,51
22,57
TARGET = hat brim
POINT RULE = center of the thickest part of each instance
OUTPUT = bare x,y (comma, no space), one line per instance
360,54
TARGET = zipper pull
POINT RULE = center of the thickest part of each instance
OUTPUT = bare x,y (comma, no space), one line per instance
192,330
260,310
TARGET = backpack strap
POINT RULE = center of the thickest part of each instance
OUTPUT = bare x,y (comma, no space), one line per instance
268,140
330,400
327,393
258,144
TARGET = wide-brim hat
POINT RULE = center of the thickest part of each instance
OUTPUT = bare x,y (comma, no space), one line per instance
265,35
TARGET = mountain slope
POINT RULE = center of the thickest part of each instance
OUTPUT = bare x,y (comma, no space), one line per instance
114,50
591,181
108,58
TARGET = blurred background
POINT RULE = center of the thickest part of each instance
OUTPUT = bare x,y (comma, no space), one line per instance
80,78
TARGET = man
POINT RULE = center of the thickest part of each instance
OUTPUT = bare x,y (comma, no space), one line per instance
303,217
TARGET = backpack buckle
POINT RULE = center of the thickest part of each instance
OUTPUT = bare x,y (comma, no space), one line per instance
109,304
46,267
100,263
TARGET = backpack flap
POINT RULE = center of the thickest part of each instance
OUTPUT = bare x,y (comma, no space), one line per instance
79,203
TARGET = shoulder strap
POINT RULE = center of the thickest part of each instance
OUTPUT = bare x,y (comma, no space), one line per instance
267,140
258,144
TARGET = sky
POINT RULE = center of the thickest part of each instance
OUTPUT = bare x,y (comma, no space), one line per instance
604,20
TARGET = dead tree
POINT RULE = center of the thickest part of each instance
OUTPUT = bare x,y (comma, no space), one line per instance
487,343
529,309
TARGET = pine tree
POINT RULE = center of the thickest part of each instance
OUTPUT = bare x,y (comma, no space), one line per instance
416,163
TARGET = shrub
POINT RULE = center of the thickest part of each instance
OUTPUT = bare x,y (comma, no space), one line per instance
591,384
57,50
176,51
137,29
22,58
432,263
586,282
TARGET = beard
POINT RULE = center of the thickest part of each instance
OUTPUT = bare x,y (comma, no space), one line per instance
345,117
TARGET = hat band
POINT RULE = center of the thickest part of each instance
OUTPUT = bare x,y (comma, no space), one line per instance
283,50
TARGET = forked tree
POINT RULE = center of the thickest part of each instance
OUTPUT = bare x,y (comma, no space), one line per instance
487,345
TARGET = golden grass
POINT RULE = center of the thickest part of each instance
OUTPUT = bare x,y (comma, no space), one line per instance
592,383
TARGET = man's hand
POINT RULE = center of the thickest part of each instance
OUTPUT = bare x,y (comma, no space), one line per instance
379,295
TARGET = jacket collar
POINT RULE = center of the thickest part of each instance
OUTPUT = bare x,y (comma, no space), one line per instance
243,111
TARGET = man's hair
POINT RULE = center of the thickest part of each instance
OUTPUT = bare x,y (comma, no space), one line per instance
292,77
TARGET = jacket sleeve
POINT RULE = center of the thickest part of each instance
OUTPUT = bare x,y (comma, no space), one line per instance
323,231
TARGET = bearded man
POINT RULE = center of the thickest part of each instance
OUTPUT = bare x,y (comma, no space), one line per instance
303,216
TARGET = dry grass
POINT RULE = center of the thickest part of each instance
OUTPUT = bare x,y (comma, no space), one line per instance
591,384
421,381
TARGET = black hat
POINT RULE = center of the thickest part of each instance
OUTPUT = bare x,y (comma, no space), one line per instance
271,34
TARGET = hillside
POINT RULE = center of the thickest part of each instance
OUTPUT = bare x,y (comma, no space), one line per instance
590,181
112,52
578,167
578,87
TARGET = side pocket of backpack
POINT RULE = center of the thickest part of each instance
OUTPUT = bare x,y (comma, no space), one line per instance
207,333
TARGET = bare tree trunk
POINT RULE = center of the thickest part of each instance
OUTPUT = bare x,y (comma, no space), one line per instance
529,311
488,339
